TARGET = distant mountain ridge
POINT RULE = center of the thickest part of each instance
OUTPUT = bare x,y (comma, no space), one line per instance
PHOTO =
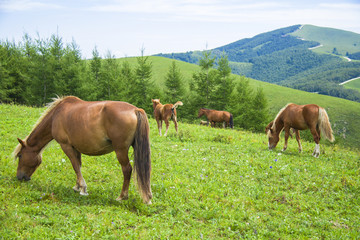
304,57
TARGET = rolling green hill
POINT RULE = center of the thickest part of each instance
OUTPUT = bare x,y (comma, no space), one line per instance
344,114
291,57
329,38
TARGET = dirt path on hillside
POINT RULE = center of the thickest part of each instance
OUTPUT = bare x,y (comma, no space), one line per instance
349,80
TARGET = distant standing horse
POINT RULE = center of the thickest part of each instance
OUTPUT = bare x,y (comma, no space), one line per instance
91,128
215,116
164,112
300,117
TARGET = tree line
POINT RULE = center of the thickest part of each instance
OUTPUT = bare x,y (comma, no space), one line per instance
34,71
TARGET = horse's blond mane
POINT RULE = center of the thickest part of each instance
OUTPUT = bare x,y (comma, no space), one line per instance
278,115
49,107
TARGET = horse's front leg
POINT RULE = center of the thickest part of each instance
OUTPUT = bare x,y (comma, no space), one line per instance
287,134
297,134
75,158
123,158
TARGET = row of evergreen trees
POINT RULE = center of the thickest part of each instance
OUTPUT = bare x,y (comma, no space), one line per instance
36,70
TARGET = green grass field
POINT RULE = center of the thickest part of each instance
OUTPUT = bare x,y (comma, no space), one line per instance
207,184
355,84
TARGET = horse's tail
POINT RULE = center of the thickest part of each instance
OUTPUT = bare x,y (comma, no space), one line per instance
231,122
178,103
324,125
142,160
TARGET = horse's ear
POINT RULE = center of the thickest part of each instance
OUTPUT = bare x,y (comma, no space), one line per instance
22,143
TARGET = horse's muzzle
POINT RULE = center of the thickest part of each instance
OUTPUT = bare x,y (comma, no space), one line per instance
22,176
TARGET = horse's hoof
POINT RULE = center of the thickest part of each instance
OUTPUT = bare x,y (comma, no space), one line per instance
84,193
148,203
119,199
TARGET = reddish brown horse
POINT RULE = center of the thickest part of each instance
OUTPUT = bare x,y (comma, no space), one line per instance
91,128
164,112
215,116
300,117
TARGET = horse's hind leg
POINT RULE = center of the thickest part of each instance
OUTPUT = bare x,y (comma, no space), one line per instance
316,137
175,123
167,126
123,158
75,158
159,123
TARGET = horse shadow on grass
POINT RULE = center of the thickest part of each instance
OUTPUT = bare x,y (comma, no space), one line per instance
97,197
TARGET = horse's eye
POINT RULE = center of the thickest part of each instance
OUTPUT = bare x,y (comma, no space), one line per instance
19,156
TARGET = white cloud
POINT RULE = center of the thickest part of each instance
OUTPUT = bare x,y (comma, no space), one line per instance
26,5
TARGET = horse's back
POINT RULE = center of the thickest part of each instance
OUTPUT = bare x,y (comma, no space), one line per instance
163,112
301,116
94,128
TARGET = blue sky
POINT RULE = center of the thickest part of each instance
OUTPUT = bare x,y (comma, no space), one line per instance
124,27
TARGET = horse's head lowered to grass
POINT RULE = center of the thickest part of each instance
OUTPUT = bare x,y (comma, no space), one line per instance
29,160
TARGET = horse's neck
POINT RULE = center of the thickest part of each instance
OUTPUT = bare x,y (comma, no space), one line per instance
41,134
279,125
207,113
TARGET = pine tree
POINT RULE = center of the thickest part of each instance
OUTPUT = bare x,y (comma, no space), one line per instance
204,81
240,103
224,84
259,115
95,64
126,83
108,78
143,87
174,89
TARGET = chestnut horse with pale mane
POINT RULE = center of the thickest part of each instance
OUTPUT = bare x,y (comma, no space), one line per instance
300,117
164,112
215,116
91,128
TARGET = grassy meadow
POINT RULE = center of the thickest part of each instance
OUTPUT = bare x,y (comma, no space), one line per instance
344,41
355,84
207,184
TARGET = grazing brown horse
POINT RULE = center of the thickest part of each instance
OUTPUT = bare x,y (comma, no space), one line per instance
91,128
164,112
215,116
300,117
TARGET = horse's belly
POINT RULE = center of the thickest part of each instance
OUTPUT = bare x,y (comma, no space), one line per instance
95,150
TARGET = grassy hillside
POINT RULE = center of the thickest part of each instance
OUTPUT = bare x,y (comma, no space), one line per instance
207,184
344,115
329,38
355,84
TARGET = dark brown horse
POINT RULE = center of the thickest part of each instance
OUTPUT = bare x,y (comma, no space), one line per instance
164,112
300,117
215,116
91,128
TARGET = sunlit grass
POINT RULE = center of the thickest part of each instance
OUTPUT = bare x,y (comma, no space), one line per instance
207,183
